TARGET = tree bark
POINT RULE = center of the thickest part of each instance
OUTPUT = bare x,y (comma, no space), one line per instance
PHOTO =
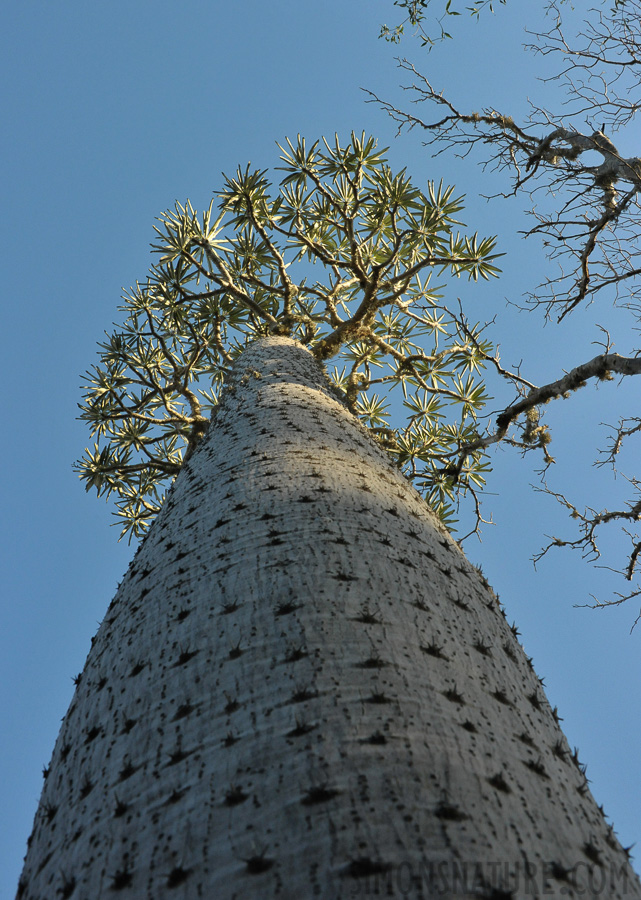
303,689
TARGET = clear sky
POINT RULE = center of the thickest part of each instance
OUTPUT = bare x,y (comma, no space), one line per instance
111,112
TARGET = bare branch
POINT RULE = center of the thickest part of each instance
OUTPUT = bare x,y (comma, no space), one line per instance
547,154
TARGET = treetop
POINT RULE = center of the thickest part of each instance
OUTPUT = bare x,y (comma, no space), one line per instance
338,253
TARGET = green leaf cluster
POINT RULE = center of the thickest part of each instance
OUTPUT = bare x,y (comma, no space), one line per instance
338,254
416,14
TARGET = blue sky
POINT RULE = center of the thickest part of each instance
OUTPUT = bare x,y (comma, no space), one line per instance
114,111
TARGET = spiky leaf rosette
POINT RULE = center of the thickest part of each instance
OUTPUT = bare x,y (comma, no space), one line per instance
338,255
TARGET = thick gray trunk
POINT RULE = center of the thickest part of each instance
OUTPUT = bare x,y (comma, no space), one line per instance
303,689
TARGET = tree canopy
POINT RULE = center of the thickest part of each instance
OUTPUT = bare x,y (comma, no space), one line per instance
339,254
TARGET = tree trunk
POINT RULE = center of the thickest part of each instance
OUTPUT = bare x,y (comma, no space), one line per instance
303,689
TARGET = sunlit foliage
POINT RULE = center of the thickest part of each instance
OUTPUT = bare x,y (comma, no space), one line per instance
339,255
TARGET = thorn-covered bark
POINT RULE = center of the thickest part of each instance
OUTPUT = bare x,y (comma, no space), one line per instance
303,689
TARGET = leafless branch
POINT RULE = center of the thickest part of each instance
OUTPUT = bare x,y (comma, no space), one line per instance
601,205
584,194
